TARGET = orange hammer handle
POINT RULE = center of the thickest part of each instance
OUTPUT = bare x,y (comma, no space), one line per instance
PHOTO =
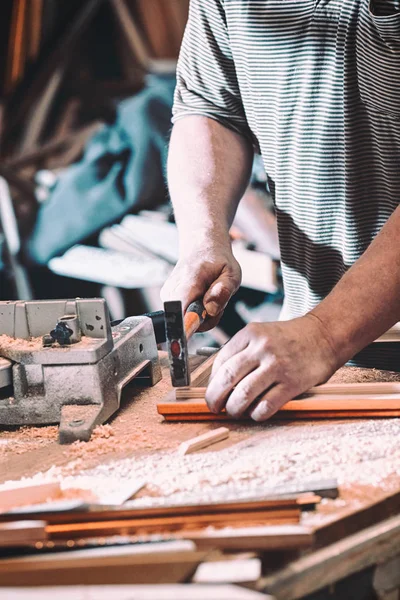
194,317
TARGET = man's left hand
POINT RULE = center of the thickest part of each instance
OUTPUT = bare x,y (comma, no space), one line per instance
267,364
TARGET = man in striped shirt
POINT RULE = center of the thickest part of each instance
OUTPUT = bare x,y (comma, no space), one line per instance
314,85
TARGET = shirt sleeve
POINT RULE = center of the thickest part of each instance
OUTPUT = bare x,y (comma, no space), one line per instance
206,75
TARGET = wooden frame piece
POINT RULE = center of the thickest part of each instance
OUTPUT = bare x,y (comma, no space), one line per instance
325,401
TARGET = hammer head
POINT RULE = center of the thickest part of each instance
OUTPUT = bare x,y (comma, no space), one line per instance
177,344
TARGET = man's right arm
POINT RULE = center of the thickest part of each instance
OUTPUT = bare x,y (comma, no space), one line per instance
209,167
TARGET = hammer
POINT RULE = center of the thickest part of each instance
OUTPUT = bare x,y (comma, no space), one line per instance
178,329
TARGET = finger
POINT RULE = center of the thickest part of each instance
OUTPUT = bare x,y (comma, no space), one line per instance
270,403
247,391
226,378
235,345
210,323
219,294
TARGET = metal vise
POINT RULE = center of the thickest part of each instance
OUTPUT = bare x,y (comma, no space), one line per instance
62,362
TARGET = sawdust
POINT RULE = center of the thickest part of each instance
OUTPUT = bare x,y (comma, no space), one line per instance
358,375
363,456
96,444
10,346
25,439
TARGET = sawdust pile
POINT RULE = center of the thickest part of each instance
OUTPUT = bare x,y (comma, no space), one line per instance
26,439
8,343
96,444
357,375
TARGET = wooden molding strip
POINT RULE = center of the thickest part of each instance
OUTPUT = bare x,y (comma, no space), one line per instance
317,407
173,523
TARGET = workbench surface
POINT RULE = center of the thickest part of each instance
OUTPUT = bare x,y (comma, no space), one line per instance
364,455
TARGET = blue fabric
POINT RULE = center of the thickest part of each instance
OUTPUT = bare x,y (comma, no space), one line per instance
121,171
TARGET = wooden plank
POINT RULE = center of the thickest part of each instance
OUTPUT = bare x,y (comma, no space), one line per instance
265,538
329,565
260,503
204,440
22,533
167,562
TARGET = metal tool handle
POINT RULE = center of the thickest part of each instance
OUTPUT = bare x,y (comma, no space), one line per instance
194,317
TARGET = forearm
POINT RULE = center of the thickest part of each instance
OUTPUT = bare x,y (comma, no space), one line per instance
208,170
366,301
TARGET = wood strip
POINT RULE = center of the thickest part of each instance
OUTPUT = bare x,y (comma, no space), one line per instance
16,49
244,505
165,524
132,33
204,440
201,375
289,415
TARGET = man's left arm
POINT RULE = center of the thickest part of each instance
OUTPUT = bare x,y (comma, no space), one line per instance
282,360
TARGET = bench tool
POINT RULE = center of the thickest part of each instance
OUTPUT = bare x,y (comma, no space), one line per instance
62,362
178,330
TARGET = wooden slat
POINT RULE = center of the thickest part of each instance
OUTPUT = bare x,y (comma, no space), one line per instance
165,524
204,440
16,49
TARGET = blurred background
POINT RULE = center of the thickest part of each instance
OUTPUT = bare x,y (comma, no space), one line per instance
86,97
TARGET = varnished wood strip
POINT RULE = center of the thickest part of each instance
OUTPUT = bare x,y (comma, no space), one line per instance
285,415
172,523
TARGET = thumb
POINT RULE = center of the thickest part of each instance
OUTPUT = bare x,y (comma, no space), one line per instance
219,294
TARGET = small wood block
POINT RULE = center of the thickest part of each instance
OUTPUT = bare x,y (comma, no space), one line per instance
204,440
22,533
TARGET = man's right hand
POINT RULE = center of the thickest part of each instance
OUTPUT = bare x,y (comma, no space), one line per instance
208,271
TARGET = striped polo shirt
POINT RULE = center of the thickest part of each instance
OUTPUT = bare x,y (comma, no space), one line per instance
315,85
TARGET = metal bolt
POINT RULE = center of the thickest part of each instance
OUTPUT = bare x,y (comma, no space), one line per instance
76,423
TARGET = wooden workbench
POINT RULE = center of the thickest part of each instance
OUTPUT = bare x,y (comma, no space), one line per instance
357,534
